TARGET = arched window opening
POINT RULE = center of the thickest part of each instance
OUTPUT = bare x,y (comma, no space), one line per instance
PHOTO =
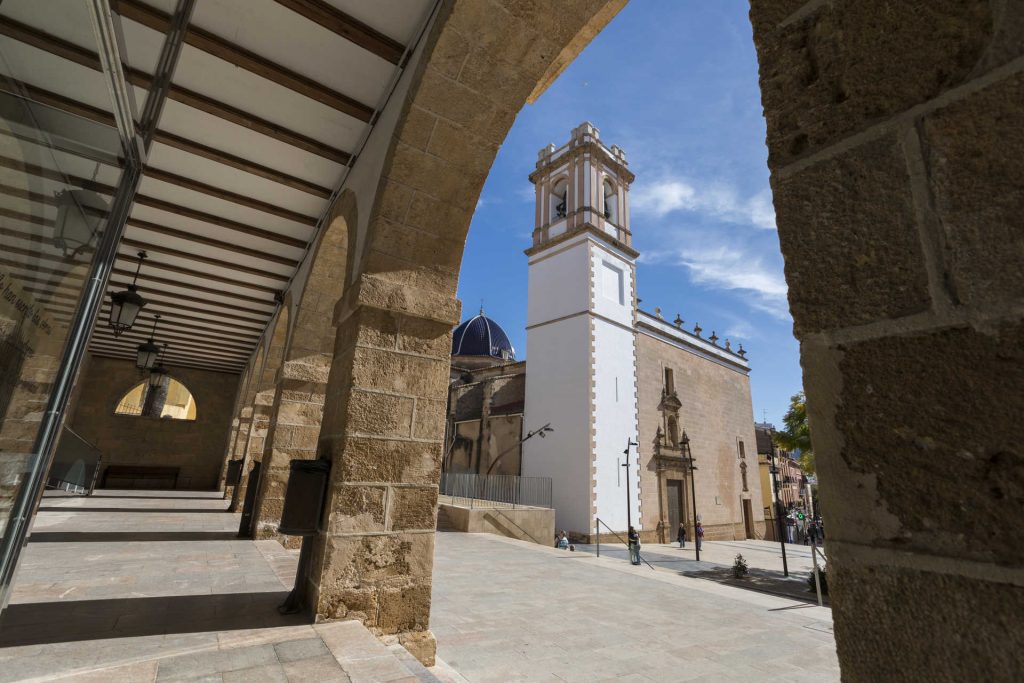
172,401
611,202
559,192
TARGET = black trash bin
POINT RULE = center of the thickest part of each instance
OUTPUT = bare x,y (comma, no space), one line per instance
304,497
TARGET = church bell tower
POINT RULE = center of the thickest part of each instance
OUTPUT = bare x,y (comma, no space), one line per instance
581,322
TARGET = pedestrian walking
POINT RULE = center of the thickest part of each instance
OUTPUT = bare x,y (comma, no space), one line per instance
634,546
681,535
699,534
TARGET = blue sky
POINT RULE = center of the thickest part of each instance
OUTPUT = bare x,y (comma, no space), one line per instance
675,85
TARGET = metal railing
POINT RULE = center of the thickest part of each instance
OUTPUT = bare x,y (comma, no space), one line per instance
76,464
496,490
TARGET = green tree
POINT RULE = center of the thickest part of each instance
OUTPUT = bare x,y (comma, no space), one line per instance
797,433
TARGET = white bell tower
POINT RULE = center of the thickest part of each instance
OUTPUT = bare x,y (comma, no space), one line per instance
581,322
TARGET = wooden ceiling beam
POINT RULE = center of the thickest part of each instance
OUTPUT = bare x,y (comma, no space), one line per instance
347,27
246,59
233,197
176,303
65,104
146,278
142,200
209,277
241,164
181,361
171,317
214,353
61,48
154,292
198,258
210,242
176,339
187,334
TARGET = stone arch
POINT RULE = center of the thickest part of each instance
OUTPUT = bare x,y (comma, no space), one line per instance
901,278
262,392
301,386
383,424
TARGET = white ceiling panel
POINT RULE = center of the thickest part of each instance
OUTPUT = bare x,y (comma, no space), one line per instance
298,44
52,73
239,88
200,201
191,225
157,240
397,19
210,172
128,254
239,141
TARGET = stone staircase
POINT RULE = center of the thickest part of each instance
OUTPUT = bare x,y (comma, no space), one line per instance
443,522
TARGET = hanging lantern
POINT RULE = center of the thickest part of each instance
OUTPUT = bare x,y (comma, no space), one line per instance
147,353
125,305
80,217
158,377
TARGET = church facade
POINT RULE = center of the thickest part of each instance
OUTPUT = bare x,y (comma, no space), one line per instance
652,423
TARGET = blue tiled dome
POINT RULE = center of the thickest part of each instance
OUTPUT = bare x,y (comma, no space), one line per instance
481,336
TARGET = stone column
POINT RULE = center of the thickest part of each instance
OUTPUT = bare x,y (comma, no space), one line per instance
292,434
383,430
156,398
896,144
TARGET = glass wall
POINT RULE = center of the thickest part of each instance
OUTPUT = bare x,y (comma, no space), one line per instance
61,161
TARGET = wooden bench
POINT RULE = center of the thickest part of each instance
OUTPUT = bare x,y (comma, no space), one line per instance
139,477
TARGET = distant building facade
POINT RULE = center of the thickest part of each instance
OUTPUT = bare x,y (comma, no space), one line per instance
605,374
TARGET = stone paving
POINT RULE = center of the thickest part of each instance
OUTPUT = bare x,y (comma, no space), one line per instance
506,610
130,586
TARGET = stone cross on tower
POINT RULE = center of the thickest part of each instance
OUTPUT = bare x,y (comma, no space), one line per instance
581,323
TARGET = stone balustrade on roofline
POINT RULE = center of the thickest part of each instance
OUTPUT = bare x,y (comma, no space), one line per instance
650,323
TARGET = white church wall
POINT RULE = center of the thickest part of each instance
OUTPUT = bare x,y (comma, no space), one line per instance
557,284
557,390
614,425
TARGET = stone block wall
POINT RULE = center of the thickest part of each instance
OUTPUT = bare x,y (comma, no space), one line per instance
195,446
896,145
716,413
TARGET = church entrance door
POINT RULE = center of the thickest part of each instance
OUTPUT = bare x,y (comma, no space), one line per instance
675,507
748,518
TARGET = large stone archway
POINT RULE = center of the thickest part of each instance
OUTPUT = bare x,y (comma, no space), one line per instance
301,386
894,140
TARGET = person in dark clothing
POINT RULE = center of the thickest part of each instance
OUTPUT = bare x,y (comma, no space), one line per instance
681,535
634,546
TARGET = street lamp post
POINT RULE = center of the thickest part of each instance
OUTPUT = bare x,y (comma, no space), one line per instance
774,470
688,459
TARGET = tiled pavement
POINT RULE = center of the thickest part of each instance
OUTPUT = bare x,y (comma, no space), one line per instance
134,587
129,586
505,610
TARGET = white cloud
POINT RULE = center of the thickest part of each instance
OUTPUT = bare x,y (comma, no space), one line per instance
716,200
722,267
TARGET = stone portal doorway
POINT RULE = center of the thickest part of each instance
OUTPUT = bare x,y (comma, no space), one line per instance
748,518
675,507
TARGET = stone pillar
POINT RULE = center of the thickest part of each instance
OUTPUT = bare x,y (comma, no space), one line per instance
156,398
257,435
292,434
383,430
896,145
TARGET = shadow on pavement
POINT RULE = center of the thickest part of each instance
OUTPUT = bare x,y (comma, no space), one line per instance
129,536
36,623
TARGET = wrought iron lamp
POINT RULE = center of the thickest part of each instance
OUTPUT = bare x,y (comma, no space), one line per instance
80,217
125,305
147,353
158,375
690,463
